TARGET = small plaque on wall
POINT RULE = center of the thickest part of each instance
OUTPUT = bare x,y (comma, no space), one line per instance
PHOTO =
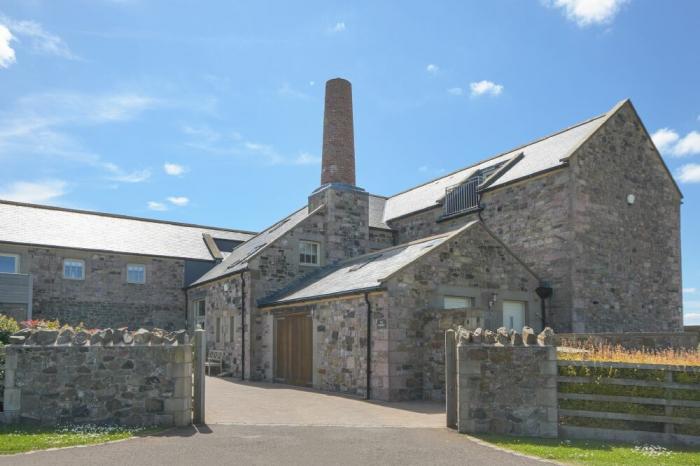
381,323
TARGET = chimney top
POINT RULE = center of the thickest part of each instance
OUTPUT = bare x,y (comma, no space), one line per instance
338,156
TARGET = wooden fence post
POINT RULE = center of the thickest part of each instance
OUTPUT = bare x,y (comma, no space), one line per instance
200,351
450,379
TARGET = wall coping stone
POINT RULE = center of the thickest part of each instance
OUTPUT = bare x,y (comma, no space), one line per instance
68,336
503,337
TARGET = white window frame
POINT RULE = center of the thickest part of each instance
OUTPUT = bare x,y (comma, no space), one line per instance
81,262
15,256
200,320
469,301
143,266
302,253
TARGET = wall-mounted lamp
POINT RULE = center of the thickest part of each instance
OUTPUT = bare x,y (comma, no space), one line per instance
492,301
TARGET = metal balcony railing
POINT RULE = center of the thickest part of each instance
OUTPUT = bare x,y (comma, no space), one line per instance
462,197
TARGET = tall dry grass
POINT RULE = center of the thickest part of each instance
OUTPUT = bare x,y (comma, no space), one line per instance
589,351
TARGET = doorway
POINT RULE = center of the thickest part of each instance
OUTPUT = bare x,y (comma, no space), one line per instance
514,315
294,349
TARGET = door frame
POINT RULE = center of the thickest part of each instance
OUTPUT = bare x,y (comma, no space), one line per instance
276,316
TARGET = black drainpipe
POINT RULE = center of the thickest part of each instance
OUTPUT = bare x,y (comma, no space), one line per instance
243,326
369,349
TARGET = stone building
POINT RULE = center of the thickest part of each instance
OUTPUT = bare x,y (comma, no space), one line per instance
100,269
353,292
579,230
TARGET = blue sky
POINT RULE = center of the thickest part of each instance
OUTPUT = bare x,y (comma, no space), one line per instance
211,112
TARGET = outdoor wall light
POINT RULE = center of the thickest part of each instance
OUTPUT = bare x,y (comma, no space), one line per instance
492,301
630,199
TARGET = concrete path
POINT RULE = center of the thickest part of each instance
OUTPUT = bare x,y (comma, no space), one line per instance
230,401
260,423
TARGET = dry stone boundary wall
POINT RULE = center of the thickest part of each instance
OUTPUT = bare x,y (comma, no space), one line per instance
112,376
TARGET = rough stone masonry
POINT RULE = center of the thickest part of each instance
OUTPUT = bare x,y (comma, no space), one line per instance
108,377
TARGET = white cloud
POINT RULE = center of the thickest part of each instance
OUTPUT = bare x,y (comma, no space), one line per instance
40,40
664,139
692,318
688,145
36,192
456,91
338,27
669,142
307,159
432,69
689,290
158,206
179,200
689,173
7,53
485,87
588,12
173,169
39,125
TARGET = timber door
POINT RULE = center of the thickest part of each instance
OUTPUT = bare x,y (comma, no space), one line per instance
293,349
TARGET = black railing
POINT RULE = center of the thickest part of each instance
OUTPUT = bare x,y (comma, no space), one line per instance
462,197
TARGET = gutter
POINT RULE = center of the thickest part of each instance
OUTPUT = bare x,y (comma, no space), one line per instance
324,297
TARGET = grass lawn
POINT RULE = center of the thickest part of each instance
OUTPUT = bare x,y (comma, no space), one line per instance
18,439
595,452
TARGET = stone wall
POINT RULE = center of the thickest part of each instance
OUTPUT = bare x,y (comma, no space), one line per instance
380,239
104,298
627,274
506,388
109,377
16,311
472,264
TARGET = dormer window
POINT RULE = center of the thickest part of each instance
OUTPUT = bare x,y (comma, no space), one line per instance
309,253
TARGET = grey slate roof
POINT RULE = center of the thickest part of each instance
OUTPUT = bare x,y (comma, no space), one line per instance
239,257
68,228
361,273
538,156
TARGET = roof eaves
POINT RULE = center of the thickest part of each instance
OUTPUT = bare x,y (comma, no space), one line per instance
339,294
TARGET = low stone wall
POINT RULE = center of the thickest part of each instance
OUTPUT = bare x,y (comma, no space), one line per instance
634,340
108,377
506,383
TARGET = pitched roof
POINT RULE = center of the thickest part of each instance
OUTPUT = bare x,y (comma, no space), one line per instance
376,212
77,229
362,273
537,156
238,259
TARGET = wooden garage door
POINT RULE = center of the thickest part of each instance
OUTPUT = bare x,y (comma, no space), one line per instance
293,349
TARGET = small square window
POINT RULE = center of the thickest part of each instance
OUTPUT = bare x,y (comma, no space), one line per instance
9,263
308,253
459,302
136,273
74,269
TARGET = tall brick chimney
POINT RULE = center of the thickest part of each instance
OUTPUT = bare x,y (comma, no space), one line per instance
338,155
346,213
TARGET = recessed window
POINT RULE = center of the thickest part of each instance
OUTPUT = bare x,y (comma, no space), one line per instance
459,302
200,312
74,269
308,253
9,263
136,273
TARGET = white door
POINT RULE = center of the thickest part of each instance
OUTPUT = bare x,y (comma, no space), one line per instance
514,315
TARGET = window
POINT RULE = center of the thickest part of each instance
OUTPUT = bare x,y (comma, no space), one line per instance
458,302
200,312
74,269
308,253
9,263
135,273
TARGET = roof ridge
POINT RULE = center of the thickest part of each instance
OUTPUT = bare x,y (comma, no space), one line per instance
551,135
122,216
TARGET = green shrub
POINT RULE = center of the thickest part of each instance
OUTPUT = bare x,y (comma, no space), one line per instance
8,326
